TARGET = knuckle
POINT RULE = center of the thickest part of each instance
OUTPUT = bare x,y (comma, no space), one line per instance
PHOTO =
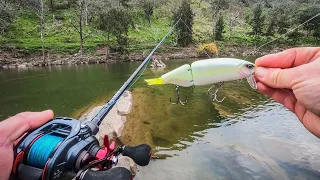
276,77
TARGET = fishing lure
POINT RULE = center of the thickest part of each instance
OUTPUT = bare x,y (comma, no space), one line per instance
208,72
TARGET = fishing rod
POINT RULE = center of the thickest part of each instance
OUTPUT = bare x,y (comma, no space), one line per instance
67,145
106,109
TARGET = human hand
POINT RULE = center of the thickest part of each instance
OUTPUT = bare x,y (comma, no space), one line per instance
292,78
11,130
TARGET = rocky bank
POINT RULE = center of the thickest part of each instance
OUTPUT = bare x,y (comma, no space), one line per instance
14,59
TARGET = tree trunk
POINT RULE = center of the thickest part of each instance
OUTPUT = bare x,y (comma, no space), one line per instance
108,40
41,29
80,29
52,9
86,11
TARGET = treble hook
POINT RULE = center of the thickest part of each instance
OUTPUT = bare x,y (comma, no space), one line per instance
178,98
214,95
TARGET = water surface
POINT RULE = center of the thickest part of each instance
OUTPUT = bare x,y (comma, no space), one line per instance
248,136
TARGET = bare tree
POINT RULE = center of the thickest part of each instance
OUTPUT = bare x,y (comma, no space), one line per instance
86,12
79,18
52,9
38,7
234,15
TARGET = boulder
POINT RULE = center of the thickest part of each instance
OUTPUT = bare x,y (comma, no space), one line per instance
113,123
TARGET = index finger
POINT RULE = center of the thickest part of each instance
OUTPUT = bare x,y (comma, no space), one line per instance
289,58
17,125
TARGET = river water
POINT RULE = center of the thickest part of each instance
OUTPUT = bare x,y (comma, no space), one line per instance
247,136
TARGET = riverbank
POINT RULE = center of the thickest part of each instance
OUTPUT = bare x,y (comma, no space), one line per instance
14,59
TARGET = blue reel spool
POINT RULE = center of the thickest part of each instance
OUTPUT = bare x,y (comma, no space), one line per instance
41,149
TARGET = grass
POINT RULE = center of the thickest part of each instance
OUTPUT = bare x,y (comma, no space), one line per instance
63,38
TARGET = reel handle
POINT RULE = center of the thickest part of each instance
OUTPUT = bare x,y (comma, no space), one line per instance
141,154
117,173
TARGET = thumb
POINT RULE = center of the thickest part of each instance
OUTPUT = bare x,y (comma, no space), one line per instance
275,77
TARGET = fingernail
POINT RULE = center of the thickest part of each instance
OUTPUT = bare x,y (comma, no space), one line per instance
261,72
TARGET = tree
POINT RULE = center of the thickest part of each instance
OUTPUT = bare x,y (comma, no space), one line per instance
218,5
38,7
235,13
148,7
279,17
116,21
271,27
219,29
79,26
256,20
311,26
52,9
6,16
184,28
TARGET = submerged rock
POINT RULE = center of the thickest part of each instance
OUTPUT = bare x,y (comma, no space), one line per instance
113,123
157,64
112,126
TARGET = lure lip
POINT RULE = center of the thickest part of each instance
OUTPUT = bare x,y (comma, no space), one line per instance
246,69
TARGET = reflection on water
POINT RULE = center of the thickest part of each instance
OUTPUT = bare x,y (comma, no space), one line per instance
64,89
259,146
247,136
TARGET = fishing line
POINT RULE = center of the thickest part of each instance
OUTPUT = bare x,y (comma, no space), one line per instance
281,36
192,33
98,118
41,149
290,31
150,55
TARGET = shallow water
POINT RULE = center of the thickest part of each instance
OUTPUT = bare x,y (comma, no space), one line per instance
247,136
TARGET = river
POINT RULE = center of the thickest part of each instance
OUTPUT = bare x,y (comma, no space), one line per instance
247,136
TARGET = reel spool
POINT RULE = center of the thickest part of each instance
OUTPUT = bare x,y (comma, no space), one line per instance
41,150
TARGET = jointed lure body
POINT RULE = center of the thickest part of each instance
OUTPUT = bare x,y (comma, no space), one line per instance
207,72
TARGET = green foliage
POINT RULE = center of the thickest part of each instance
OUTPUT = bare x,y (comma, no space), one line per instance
294,37
124,3
219,29
184,28
116,21
271,27
218,5
6,16
256,20
149,7
22,27
311,26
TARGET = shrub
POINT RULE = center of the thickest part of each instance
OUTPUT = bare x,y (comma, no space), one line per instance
207,48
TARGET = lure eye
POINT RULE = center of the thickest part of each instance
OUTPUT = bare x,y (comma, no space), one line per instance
250,66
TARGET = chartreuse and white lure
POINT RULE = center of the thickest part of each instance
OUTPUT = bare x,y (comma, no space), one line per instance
208,72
